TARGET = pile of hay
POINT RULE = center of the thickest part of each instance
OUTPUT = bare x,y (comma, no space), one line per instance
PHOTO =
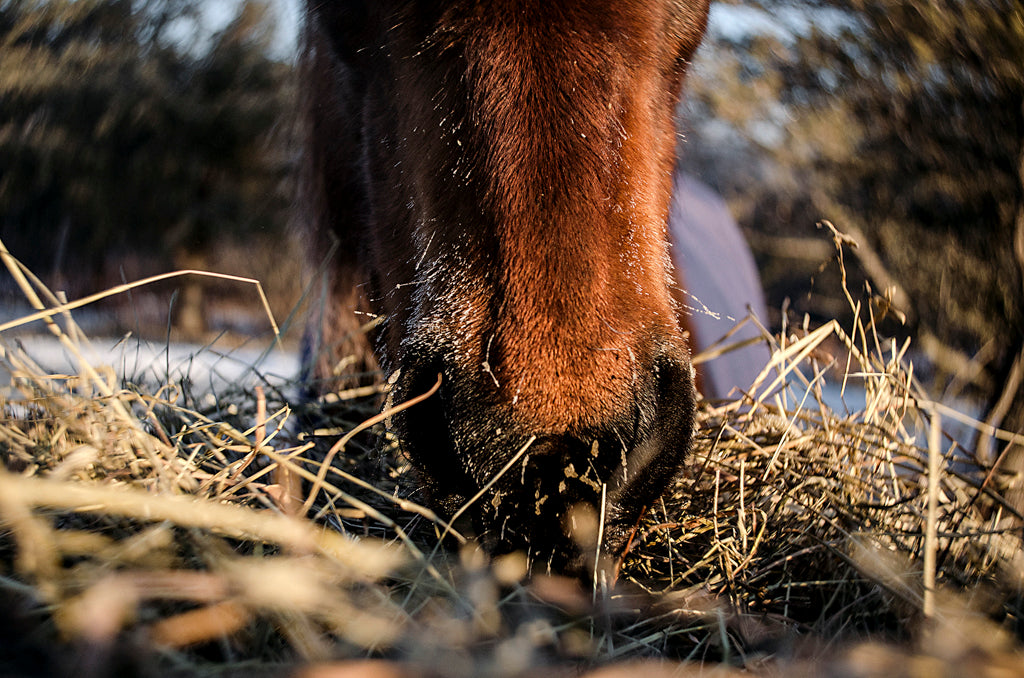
149,529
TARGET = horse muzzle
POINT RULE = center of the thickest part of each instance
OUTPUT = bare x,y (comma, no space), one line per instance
563,495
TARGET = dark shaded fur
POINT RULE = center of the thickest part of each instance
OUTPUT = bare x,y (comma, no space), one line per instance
498,177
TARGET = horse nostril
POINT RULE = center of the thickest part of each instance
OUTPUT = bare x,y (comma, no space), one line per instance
677,397
674,384
656,455
421,419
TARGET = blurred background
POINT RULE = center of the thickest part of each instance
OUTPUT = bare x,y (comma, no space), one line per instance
143,136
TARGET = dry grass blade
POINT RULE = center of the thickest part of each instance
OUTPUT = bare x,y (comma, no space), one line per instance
20,274
238,522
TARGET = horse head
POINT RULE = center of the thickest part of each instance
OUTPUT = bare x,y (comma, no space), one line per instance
498,176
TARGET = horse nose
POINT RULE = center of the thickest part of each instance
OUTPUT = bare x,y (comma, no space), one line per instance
528,478
578,496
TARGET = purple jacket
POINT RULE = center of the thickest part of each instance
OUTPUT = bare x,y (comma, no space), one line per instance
720,282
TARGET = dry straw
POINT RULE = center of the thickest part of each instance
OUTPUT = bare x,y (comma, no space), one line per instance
130,511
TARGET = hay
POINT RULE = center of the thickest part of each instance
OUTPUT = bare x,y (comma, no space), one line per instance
172,531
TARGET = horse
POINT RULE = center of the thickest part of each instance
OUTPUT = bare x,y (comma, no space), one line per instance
494,178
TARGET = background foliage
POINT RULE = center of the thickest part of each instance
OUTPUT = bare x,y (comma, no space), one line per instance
122,131
903,123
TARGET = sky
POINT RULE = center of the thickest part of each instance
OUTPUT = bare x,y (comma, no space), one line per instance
736,22
217,14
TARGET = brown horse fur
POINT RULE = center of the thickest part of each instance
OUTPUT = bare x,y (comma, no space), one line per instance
497,177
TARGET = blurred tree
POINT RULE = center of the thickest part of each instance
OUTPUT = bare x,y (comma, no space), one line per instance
936,91
903,122
121,131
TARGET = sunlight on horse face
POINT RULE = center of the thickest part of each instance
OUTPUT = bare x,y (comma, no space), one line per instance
498,176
